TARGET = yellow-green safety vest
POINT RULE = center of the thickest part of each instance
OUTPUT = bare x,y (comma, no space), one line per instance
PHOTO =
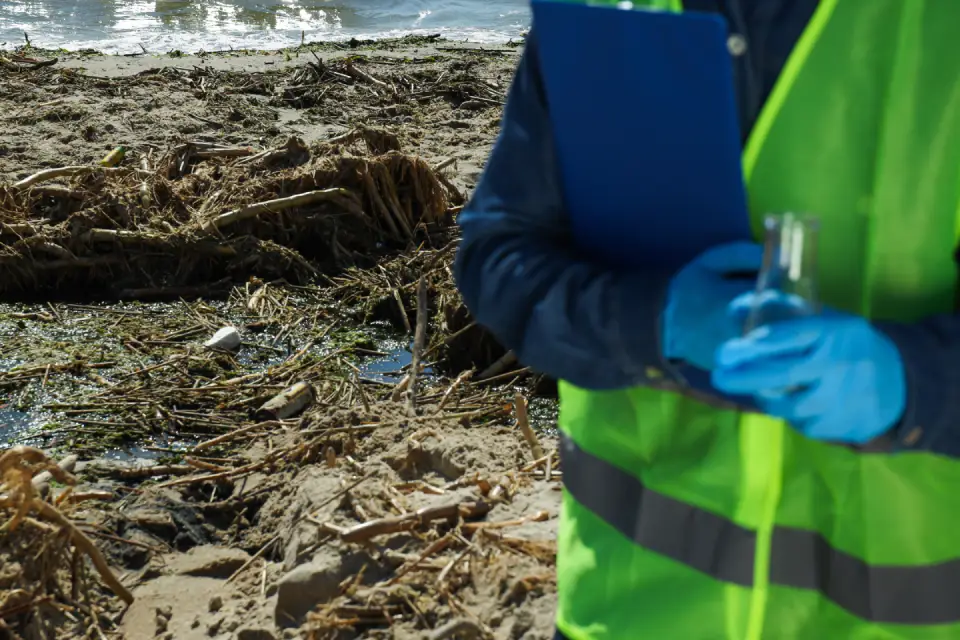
684,521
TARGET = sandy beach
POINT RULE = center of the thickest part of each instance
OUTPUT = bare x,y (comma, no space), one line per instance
290,485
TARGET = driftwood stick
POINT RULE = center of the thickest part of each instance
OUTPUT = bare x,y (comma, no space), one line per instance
401,386
342,196
419,340
536,463
121,235
459,628
205,466
345,138
363,75
446,163
291,401
66,464
83,496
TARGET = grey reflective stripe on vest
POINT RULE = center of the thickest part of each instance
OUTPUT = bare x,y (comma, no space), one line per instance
718,547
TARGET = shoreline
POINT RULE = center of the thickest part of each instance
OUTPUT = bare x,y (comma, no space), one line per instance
345,45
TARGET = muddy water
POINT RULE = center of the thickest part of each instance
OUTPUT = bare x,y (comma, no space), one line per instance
161,26
34,335
30,338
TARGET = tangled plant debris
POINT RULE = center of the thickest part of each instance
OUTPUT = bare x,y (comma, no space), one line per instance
135,232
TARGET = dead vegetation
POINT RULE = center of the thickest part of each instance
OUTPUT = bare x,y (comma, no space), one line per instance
205,213
48,550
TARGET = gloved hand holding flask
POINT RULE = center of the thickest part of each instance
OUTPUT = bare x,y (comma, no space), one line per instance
832,375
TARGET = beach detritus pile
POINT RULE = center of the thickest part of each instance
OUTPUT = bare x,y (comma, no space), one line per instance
388,292
397,500
205,214
48,549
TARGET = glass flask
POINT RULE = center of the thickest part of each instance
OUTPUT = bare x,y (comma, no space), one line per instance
787,286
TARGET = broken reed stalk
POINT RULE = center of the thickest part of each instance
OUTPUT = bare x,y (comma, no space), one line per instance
288,403
236,433
67,172
220,476
343,197
463,377
419,340
82,542
523,422
437,546
223,153
539,516
158,470
367,530
85,545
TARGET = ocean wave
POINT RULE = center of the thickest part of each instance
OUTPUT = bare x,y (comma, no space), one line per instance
159,26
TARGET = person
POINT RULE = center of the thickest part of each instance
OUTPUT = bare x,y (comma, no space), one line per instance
685,518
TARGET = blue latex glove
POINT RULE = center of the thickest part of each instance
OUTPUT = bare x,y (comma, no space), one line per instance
695,319
847,378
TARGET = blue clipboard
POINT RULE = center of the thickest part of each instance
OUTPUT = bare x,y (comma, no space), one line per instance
645,122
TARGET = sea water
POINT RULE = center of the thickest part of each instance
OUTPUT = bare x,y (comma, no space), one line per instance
162,26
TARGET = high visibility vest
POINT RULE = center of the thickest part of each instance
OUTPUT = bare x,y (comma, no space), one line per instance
684,521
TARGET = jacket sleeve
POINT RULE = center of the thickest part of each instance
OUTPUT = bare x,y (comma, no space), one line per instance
523,279
930,351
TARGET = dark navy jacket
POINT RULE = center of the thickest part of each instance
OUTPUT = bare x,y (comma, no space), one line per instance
522,277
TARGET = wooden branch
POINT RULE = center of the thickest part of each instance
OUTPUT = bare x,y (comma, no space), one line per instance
219,476
437,546
83,496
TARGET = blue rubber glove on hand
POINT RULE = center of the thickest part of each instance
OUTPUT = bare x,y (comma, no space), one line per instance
695,319
846,378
